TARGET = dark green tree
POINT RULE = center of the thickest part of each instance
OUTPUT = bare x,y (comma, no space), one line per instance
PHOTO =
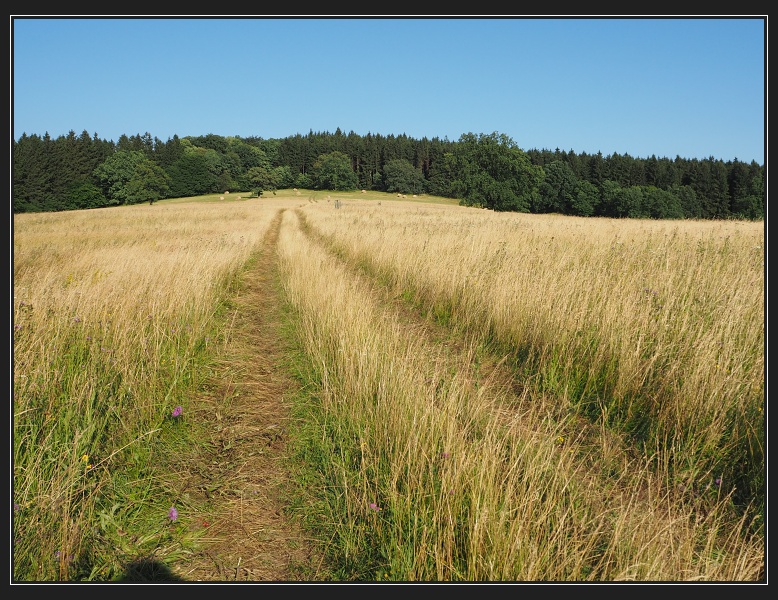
629,203
709,180
667,175
661,204
401,176
210,141
263,179
86,195
291,152
136,143
585,200
284,177
46,171
198,171
557,192
32,174
609,199
719,189
617,168
269,147
688,200
491,171
354,147
333,171
167,153
148,183
595,168
750,200
371,163
637,174
241,157
129,177
116,172
243,154
304,181
651,170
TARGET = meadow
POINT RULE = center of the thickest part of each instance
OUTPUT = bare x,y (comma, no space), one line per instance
486,396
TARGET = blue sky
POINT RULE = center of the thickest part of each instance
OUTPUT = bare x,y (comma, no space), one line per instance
689,87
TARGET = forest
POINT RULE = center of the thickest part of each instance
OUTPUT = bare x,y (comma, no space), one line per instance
481,170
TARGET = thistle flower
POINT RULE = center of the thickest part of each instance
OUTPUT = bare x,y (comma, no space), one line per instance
172,513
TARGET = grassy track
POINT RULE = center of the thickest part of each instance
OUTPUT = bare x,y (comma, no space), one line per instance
385,389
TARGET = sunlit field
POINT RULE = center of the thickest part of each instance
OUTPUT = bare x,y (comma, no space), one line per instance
489,396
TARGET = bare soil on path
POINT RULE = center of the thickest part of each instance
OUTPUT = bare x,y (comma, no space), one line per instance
240,472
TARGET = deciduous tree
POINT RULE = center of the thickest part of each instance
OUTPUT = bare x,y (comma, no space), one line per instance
493,172
333,171
401,176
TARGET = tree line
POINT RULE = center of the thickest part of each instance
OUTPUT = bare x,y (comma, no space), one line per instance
483,170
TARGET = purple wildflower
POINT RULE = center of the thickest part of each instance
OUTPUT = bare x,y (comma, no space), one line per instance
177,411
172,513
374,506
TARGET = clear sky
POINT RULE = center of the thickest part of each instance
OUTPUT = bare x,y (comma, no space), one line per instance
643,86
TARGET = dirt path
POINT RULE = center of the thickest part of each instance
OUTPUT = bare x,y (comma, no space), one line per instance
240,472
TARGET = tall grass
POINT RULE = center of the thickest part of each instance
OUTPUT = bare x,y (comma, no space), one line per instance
113,313
428,474
654,328
589,408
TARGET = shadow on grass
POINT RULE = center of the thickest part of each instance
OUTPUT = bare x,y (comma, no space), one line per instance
146,571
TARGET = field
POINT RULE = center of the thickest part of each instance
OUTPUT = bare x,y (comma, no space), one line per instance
319,386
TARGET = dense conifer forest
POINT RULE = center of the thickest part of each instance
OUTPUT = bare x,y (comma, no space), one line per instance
484,170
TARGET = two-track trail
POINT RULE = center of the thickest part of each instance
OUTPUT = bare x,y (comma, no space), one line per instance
239,472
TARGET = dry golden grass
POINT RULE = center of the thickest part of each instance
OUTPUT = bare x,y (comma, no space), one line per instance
544,500
111,309
672,311
563,419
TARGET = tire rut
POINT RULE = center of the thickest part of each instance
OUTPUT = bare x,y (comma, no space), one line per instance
495,378
239,473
